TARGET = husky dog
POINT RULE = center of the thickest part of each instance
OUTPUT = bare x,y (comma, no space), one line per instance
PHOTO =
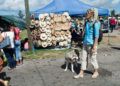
72,57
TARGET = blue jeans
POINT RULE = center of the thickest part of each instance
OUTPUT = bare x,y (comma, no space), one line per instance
9,53
18,50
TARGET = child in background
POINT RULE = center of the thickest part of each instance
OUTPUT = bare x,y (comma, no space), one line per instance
26,45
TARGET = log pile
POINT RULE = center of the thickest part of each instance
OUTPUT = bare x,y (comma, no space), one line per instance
51,30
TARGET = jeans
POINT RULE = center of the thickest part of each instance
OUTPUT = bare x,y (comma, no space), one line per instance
18,50
9,53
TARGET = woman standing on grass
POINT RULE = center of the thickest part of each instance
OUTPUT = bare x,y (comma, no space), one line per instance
17,45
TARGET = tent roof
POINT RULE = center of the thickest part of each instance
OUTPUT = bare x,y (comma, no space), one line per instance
74,7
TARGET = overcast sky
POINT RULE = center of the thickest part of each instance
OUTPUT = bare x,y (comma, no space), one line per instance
35,4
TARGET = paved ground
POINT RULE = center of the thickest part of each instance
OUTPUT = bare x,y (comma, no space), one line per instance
50,72
113,34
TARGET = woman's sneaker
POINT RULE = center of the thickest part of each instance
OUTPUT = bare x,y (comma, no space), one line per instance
95,75
78,76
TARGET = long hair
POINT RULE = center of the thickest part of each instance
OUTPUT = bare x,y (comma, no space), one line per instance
92,14
95,14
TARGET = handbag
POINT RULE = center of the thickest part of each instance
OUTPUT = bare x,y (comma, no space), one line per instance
5,43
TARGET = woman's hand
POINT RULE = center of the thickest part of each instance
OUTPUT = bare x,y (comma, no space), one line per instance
94,49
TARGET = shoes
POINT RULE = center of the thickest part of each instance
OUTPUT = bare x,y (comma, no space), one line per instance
11,69
21,62
6,83
95,75
18,63
78,76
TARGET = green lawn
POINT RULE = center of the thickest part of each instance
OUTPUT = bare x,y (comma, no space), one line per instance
44,53
23,34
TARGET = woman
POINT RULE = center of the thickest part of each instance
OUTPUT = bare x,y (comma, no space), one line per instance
9,51
92,27
17,45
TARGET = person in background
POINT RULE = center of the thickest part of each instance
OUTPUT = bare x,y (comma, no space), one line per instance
90,41
9,51
26,44
102,22
112,24
17,43
73,24
4,82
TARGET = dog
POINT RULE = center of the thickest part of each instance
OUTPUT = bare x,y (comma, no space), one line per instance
72,58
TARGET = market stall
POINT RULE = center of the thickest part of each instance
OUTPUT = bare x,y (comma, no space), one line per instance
51,30
58,7
73,7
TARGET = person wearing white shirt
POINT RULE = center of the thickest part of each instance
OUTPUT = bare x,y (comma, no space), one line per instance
9,52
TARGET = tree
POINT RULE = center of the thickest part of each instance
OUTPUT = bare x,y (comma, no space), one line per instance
20,14
113,12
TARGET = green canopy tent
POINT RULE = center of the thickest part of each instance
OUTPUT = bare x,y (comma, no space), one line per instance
7,19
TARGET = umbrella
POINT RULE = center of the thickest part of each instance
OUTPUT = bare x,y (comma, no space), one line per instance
15,20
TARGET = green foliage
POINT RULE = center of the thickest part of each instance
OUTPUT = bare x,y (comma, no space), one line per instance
20,14
23,34
113,12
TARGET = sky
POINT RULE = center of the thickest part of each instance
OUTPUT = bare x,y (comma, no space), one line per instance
36,4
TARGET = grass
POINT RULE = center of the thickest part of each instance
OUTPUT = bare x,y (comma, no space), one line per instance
23,34
44,53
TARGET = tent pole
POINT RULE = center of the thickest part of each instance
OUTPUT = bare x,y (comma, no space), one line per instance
28,24
108,32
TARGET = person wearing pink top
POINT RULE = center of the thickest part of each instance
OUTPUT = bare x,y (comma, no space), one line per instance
26,44
17,45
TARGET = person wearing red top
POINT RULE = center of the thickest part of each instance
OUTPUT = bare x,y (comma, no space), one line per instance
112,23
17,45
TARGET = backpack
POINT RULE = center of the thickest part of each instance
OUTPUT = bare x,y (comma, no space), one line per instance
100,35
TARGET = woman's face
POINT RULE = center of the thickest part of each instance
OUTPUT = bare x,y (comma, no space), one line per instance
89,15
